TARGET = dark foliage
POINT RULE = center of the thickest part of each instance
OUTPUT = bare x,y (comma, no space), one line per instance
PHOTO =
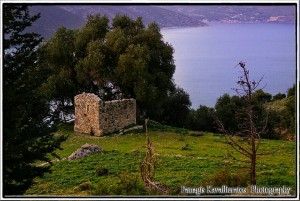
290,112
278,96
201,119
227,111
27,129
230,112
292,91
176,108
101,171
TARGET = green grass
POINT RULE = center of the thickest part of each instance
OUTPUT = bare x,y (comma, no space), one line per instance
206,154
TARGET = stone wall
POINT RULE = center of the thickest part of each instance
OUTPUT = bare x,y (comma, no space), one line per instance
87,116
92,115
117,114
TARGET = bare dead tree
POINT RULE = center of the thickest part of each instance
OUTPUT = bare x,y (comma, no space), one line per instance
249,128
148,167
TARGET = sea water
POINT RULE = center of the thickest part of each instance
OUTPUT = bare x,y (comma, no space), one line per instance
206,58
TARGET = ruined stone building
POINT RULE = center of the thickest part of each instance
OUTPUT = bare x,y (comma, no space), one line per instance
94,116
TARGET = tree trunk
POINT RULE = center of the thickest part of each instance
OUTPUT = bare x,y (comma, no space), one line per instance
253,170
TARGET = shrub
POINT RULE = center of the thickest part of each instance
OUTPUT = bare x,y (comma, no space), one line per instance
278,96
228,178
84,186
201,119
129,184
100,171
175,108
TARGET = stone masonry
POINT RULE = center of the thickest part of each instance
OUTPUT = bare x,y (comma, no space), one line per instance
92,115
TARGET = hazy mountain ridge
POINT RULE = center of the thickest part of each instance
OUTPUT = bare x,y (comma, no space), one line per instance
75,16
238,14
53,17
163,17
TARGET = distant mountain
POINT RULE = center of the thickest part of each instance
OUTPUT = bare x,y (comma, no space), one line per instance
238,13
74,16
53,17
163,17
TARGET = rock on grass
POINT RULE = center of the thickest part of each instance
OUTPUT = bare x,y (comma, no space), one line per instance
85,150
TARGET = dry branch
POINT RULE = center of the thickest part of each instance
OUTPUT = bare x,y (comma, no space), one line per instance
148,167
249,127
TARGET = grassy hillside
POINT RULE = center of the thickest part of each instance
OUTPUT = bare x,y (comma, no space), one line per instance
184,158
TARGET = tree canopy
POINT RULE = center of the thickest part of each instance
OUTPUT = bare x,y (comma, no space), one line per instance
124,60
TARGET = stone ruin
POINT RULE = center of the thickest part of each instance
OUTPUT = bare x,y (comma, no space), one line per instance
97,117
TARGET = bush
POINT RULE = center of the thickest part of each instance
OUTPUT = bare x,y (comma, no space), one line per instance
292,91
228,178
278,96
84,186
227,108
176,108
100,171
201,119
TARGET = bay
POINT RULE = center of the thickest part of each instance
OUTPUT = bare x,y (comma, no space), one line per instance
206,58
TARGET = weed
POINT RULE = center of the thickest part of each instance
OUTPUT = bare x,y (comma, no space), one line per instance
148,168
185,147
